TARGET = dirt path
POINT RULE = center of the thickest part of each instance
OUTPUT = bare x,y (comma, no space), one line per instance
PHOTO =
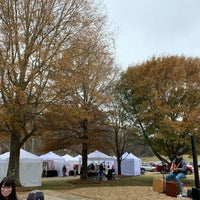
108,193
103,193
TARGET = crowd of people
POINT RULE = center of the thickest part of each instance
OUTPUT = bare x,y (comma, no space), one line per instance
101,171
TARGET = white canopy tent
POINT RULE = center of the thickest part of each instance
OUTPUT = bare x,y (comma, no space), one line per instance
70,161
130,165
30,168
51,156
78,158
67,157
99,156
52,161
4,158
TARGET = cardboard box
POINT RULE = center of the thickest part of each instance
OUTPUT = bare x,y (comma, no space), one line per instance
159,185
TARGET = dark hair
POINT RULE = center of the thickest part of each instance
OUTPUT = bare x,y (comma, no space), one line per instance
10,182
179,153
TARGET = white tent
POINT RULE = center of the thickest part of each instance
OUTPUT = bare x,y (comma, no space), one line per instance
30,168
130,165
99,156
55,162
4,164
70,161
51,156
78,158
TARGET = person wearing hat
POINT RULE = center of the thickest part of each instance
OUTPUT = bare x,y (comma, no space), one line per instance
178,170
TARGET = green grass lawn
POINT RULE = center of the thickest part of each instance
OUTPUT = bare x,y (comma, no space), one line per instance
143,180
122,181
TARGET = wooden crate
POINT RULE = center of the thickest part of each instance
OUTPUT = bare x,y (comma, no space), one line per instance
172,189
158,185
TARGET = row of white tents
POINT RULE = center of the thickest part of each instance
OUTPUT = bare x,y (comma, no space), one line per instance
130,165
32,166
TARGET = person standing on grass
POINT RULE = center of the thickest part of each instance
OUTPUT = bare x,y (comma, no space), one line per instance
75,169
101,168
178,171
8,189
64,170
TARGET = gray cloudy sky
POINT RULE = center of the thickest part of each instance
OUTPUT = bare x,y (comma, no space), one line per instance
154,27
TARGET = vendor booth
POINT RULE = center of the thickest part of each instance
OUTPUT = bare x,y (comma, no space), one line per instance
70,163
95,159
99,156
52,164
30,168
130,165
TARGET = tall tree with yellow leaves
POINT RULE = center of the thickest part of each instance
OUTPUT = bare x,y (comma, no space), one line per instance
85,80
34,34
162,95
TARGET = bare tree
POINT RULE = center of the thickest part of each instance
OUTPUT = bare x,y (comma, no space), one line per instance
120,125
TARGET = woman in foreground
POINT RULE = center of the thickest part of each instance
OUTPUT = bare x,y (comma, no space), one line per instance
8,189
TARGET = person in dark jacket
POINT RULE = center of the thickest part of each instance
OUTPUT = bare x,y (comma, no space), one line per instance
64,170
101,169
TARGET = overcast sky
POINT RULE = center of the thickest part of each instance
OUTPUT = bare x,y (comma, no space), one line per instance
154,27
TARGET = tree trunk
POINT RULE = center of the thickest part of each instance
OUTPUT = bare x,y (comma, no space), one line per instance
119,166
13,166
84,171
